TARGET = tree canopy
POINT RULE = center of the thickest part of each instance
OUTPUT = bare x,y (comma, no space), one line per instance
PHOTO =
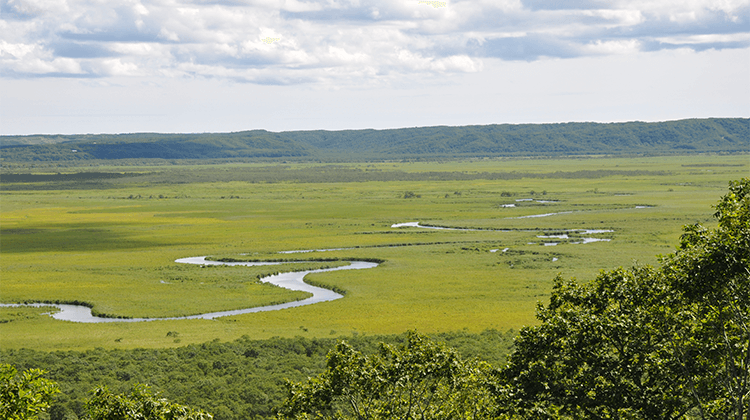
646,342
141,404
24,396
420,379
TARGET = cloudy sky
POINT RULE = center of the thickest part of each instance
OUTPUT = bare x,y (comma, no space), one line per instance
112,66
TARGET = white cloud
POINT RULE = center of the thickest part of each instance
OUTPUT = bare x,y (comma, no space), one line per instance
343,56
36,7
15,51
34,60
140,9
687,40
339,42
461,63
168,35
626,46
116,67
618,17
299,6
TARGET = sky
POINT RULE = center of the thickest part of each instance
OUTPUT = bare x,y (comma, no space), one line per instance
187,66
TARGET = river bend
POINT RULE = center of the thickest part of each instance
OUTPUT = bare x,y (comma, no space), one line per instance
292,280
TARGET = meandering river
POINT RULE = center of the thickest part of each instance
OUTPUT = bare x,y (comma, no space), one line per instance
291,280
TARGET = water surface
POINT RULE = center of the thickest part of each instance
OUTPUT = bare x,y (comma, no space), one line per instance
292,281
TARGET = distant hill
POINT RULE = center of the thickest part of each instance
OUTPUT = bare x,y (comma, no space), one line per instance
717,135
246,144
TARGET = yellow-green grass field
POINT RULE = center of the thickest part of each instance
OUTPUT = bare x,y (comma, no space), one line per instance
113,244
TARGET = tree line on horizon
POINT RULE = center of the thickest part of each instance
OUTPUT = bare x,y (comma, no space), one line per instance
716,135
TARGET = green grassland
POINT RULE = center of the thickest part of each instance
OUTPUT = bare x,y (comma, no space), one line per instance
111,242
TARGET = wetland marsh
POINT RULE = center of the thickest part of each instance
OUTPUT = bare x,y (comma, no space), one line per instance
111,242
292,280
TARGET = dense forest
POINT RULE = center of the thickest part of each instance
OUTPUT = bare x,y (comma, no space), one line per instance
243,379
716,135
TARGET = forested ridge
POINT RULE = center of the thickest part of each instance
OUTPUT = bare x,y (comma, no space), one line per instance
682,136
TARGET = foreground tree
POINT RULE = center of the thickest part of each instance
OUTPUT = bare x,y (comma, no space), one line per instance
141,404
419,380
24,396
646,343
600,352
711,272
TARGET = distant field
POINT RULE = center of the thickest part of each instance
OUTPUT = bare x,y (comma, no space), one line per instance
109,236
